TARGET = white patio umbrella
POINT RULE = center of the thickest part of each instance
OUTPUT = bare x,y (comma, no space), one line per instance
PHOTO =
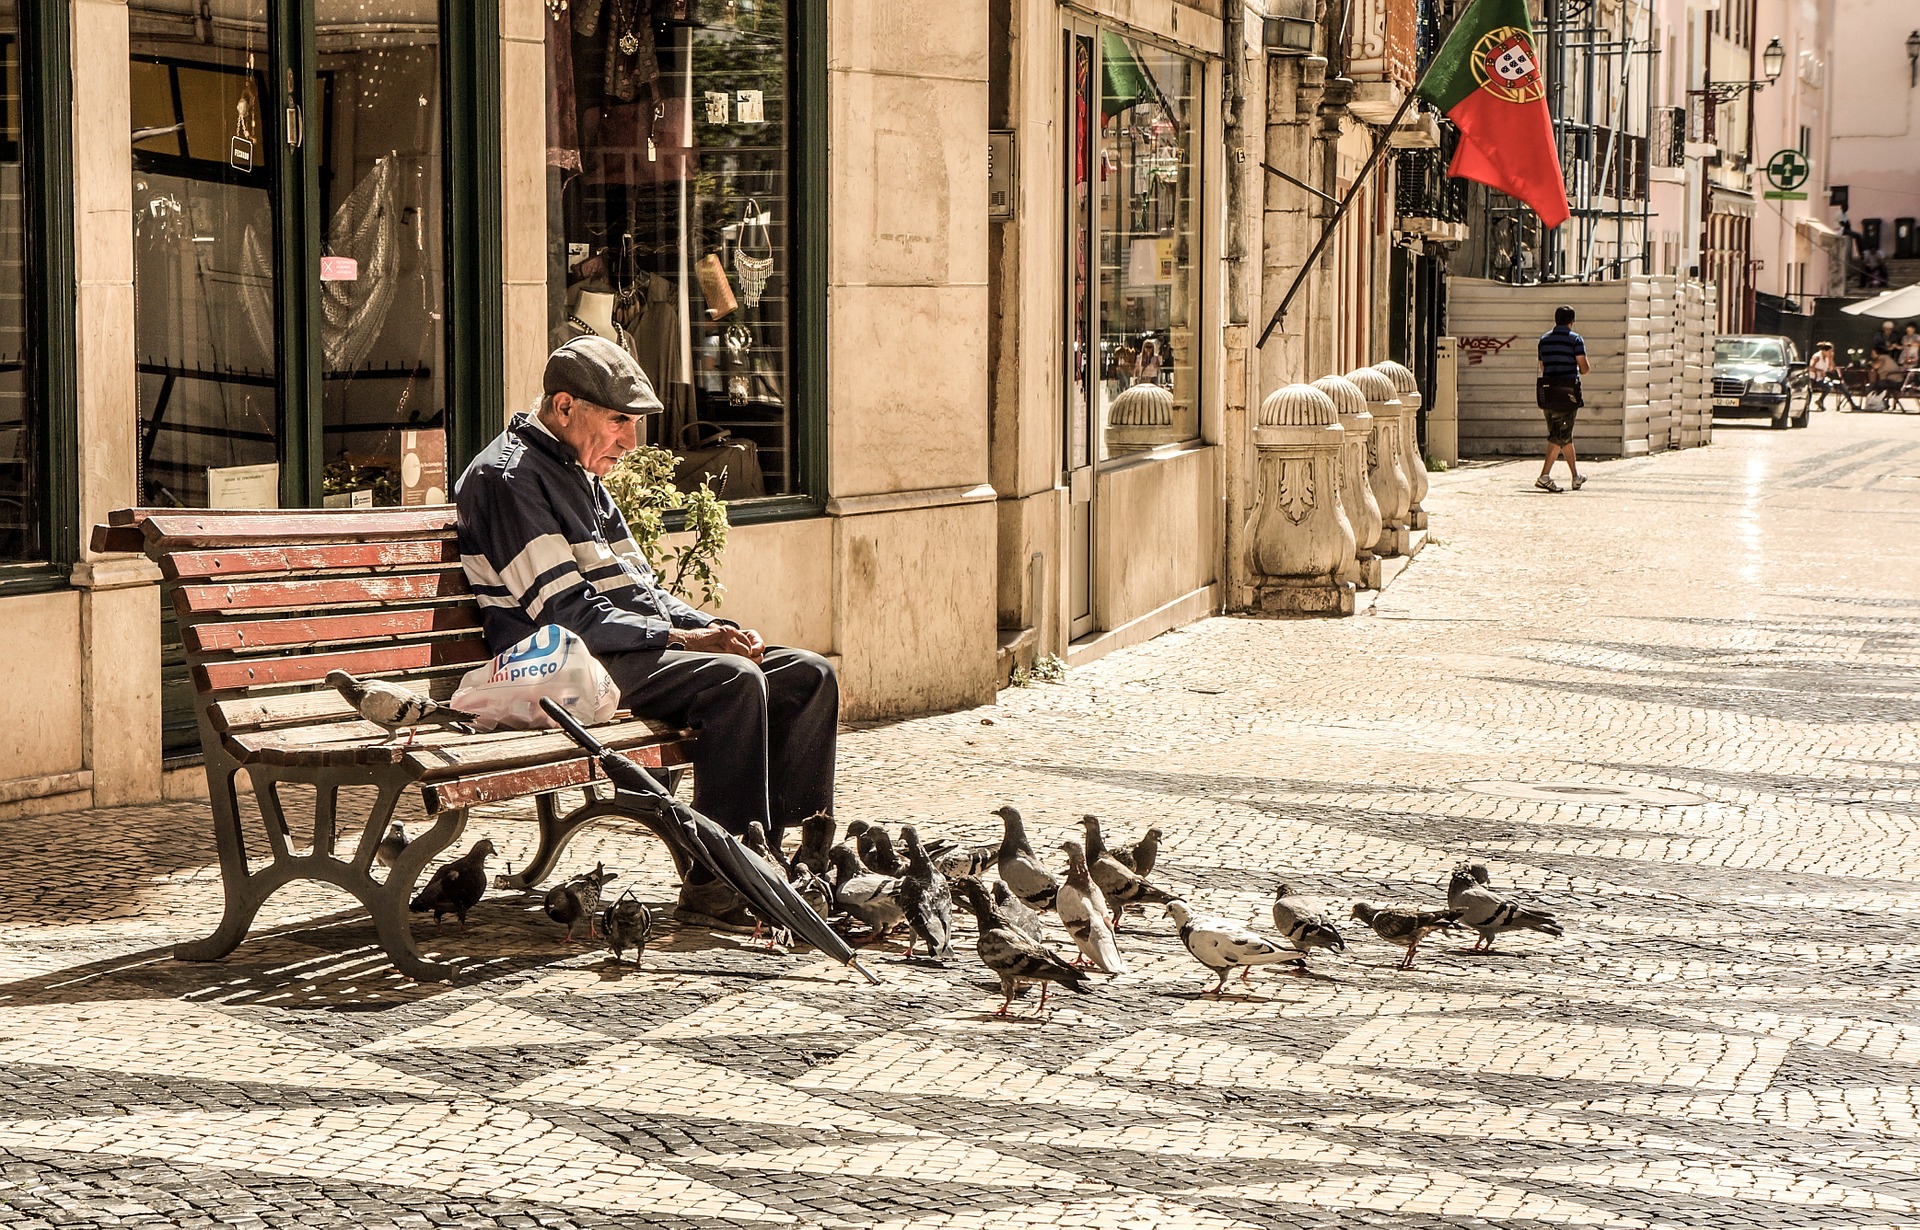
1892,305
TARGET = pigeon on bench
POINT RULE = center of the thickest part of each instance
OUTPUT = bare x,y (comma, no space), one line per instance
457,887
1487,913
1223,945
1404,926
393,708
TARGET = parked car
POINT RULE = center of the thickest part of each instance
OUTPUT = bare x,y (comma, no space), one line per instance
1759,375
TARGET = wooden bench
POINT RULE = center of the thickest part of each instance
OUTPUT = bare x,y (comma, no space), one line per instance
268,603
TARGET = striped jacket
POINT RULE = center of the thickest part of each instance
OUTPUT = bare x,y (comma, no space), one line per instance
542,543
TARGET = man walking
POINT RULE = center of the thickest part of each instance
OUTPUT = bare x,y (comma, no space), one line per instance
1563,360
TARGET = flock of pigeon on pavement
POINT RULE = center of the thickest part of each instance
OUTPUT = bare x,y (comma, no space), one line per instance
871,887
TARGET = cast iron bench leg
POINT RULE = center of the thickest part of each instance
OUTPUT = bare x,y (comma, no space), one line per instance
557,829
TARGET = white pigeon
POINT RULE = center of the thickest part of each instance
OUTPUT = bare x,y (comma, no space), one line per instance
1223,945
393,845
1083,912
394,708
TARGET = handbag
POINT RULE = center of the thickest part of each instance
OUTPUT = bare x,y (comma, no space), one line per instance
708,452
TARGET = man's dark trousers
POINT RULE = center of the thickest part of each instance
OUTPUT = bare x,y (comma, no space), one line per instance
767,730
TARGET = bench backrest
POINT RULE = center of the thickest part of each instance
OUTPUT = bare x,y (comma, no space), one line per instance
270,601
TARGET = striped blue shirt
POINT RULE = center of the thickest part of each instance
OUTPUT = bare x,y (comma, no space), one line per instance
1560,348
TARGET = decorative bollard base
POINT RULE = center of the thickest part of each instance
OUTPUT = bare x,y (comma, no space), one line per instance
1393,540
1278,598
1370,573
1419,517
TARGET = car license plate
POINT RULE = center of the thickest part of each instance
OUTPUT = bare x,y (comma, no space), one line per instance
1726,401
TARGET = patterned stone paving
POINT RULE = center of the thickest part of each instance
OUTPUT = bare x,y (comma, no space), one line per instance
1725,640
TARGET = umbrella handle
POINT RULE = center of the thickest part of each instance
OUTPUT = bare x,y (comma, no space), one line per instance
592,746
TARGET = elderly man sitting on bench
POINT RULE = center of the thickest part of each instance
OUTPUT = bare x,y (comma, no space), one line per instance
543,543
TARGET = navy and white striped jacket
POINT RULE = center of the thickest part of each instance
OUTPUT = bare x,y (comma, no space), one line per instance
543,543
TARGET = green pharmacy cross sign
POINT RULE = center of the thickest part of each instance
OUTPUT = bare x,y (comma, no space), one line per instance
1786,171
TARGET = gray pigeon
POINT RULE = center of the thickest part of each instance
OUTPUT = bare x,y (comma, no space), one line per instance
816,838
1489,914
875,845
756,841
1139,857
1022,872
576,899
1304,926
1405,927
393,708
925,898
1014,958
628,923
1015,913
1223,945
869,898
457,886
393,845
970,862
1121,887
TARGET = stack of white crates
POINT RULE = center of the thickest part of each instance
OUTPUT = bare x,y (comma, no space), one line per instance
1696,316
1661,346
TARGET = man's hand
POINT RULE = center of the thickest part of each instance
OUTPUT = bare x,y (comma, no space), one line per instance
719,638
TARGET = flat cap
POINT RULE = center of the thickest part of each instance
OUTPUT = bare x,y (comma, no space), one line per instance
596,370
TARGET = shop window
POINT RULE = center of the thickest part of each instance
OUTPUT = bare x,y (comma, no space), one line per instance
1149,110
21,451
671,227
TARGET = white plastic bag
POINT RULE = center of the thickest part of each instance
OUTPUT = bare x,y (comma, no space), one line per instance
505,693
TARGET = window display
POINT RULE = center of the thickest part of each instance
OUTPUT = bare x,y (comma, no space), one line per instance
22,423
668,216
1145,173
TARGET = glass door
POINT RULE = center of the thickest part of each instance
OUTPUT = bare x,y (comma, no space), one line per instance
289,264
1081,332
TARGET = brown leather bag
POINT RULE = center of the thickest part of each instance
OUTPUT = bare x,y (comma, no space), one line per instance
708,452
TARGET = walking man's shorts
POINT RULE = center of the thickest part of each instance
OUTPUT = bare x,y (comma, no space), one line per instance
1561,402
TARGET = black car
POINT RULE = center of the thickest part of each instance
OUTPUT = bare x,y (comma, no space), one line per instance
1759,375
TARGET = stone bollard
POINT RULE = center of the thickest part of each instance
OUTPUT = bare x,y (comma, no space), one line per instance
1140,418
1356,493
1384,469
1411,458
1298,536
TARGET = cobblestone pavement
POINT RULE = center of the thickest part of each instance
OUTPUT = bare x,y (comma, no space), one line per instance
1678,708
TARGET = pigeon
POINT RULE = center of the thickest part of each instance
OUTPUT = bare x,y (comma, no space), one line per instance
876,850
1014,957
1222,945
1083,912
1121,886
756,841
816,836
1405,927
1030,882
869,898
1016,914
628,923
1139,857
457,886
1304,926
1096,843
393,845
925,899
393,708
578,898
814,889
1489,914
970,862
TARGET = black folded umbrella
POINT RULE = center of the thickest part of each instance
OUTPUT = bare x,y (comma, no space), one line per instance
767,892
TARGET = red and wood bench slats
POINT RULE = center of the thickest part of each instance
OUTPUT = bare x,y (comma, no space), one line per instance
400,555
366,589
509,784
236,673
227,635
167,530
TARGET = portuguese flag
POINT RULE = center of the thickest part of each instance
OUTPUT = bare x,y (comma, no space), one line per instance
1487,79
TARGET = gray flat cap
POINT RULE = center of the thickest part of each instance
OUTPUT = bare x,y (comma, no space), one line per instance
598,371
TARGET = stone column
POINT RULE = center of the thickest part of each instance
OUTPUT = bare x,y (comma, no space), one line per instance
1385,471
1411,458
1356,493
1298,535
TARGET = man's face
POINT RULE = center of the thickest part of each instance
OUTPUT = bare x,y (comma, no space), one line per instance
598,436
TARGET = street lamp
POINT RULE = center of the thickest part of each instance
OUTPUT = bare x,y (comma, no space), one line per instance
1772,59
1913,58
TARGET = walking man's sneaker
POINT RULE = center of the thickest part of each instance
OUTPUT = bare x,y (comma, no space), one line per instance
1545,483
1579,481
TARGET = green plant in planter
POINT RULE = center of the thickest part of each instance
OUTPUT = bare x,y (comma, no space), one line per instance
642,488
